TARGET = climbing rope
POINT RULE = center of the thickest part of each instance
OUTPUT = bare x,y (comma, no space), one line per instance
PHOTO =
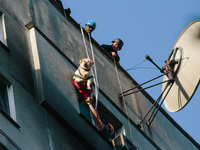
95,71
84,42
123,99
95,74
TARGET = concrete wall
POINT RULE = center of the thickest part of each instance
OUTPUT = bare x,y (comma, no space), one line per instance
46,105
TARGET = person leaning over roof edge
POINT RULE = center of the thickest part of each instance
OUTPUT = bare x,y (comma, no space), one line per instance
90,26
112,49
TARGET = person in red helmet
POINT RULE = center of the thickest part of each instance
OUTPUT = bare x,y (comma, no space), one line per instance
112,49
106,129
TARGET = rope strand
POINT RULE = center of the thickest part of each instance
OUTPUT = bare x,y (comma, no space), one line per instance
84,42
123,99
95,70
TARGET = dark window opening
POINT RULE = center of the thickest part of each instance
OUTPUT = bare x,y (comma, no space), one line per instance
4,104
2,147
105,115
108,117
122,143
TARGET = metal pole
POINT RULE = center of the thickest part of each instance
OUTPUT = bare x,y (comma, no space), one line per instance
142,84
148,58
143,89
150,120
155,103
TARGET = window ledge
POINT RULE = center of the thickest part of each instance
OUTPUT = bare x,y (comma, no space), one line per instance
9,118
98,132
4,47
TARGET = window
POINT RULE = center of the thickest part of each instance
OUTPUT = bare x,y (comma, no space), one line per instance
7,143
4,105
105,115
2,147
7,105
108,117
121,142
3,37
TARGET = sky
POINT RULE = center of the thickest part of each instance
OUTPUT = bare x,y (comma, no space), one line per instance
146,28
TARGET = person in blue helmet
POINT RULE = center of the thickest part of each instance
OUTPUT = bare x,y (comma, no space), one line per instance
90,26
112,49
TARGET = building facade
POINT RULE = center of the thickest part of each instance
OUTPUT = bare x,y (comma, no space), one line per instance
40,49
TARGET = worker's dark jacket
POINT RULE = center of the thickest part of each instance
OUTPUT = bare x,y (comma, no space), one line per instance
109,49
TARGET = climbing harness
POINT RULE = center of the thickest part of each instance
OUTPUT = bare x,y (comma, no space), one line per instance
84,93
84,80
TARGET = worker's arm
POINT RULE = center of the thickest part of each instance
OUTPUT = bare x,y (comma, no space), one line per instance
96,116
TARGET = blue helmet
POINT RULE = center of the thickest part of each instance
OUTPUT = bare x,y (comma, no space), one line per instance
91,23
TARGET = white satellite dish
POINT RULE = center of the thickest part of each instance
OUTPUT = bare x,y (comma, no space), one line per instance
187,70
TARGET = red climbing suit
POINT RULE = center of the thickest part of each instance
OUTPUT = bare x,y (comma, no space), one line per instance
83,92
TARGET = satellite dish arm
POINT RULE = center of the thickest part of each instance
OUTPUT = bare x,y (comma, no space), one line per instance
149,59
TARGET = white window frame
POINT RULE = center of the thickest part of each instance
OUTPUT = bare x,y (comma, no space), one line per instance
10,95
36,62
11,102
3,37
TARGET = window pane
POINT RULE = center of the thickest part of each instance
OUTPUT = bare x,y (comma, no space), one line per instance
2,147
4,98
3,37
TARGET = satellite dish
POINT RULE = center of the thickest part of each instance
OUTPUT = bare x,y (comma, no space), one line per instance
181,73
186,52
